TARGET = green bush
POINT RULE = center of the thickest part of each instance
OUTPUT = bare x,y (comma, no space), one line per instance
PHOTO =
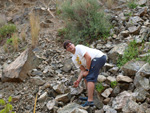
7,30
130,53
132,4
84,20
113,84
99,87
7,106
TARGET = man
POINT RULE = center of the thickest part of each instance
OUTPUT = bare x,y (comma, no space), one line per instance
90,61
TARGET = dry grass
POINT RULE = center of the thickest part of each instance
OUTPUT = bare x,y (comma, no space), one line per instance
2,20
35,28
23,34
15,41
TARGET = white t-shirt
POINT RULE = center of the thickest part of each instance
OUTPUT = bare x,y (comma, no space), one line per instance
79,59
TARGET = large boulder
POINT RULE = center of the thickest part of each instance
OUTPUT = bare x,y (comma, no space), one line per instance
131,67
17,70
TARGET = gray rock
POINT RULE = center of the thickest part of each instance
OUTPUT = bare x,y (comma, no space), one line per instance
135,19
50,105
130,107
69,108
67,66
142,2
107,92
108,109
140,94
101,78
17,70
124,33
145,71
114,70
59,88
116,51
134,30
121,78
37,81
140,81
63,98
131,67
43,97
120,101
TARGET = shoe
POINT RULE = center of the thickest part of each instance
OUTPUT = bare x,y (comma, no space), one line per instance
87,103
83,98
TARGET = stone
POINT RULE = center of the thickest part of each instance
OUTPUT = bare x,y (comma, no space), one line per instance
68,108
145,70
67,66
108,109
50,105
120,101
111,79
43,96
121,78
59,88
130,107
107,92
101,78
132,67
142,2
114,70
17,70
37,80
63,98
134,30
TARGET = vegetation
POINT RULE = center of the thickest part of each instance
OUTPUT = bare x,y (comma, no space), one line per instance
84,20
35,28
132,52
132,4
15,41
113,84
7,30
99,87
7,107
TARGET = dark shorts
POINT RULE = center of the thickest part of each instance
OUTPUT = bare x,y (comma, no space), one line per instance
96,65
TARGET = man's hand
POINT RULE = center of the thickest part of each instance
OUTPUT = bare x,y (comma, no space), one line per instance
76,83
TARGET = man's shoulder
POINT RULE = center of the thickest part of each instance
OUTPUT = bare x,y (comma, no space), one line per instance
80,46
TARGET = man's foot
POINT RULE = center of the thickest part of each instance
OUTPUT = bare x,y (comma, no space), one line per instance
87,103
83,98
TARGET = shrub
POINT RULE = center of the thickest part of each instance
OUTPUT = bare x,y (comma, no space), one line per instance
132,4
130,53
99,87
113,84
7,106
35,28
84,20
7,30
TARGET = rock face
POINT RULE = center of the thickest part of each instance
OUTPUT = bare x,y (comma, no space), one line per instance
17,70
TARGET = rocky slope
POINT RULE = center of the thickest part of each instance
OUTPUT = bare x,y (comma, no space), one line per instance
53,77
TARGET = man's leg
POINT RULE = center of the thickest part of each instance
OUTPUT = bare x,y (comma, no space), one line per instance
90,88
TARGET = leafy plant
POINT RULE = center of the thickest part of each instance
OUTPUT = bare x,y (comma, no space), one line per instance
7,30
130,53
113,84
84,20
62,31
99,87
132,4
7,106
